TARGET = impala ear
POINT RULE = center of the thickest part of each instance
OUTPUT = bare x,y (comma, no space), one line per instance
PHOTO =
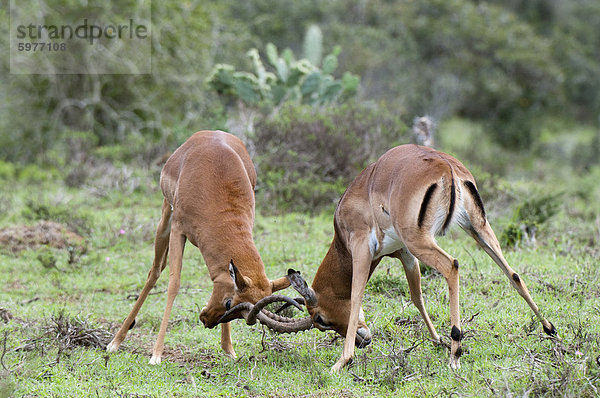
239,281
279,284
301,287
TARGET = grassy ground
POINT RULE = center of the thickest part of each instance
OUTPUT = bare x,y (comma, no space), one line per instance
60,306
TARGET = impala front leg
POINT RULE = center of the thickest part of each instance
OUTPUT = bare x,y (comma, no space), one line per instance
361,265
161,246
176,246
226,344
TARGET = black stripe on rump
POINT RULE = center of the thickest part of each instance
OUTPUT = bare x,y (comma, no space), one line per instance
452,200
475,195
425,203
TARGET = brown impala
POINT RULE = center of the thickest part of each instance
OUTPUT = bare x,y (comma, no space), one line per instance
208,185
395,208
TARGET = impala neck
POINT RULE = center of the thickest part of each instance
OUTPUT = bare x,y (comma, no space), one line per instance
337,264
249,263
237,246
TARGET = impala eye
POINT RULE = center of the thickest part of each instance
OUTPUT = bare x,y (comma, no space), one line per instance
228,304
318,319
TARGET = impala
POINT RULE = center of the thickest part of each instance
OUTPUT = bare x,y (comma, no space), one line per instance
395,208
208,187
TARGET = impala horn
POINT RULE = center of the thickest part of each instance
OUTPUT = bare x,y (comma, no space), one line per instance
281,324
298,283
253,312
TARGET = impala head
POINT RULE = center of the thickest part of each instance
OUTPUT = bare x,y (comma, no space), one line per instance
219,302
231,291
329,311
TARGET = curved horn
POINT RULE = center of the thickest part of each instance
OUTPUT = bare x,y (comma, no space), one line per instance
301,287
299,300
249,311
235,312
298,325
280,318
273,321
251,318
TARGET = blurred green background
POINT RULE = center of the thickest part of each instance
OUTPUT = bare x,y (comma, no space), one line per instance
317,90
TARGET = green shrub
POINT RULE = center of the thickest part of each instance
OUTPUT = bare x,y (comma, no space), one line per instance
529,217
307,156
33,173
8,170
186,39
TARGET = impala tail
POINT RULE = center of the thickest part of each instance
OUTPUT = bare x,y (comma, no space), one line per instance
438,211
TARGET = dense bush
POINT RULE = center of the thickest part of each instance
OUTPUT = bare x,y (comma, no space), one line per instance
306,156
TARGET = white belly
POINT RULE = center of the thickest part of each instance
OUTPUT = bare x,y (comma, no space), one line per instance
389,243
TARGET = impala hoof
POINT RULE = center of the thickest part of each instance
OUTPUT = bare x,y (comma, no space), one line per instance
336,369
230,353
112,346
454,363
363,337
155,360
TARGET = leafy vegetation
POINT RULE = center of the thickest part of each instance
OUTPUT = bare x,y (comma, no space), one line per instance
308,156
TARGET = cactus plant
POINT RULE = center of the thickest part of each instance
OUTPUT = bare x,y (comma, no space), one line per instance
291,80
313,44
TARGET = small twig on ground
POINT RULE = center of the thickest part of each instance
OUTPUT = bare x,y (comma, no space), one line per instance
357,378
472,258
31,300
262,341
4,351
252,370
471,318
591,385
489,385
458,376
135,296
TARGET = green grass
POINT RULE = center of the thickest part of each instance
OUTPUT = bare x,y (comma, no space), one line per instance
506,351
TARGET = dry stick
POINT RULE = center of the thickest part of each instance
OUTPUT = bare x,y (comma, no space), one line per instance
471,318
4,351
252,370
489,385
262,341
458,376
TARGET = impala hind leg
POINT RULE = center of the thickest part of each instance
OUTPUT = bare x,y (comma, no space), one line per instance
431,254
486,238
413,275
161,248
176,246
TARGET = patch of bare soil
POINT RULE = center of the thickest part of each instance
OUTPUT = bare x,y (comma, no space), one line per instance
44,233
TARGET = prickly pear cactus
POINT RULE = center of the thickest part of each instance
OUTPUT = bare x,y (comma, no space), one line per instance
294,80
